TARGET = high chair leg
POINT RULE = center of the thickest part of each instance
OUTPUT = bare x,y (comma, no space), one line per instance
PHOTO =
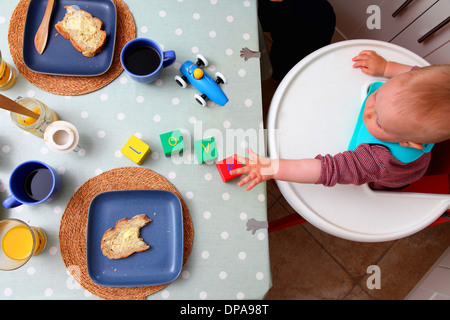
287,221
442,219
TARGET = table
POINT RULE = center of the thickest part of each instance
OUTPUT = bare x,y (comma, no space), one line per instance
314,111
227,261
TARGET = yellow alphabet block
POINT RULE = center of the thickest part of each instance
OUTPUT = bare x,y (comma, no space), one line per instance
135,149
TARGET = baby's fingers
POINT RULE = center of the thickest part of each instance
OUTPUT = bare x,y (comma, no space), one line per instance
251,185
245,180
242,160
364,54
240,171
360,63
253,178
252,154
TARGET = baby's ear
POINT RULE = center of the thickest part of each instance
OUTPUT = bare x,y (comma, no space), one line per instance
409,144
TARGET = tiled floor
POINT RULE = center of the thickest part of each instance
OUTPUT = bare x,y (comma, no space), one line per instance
310,264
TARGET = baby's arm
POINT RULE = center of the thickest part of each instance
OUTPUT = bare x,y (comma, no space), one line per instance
262,169
374,65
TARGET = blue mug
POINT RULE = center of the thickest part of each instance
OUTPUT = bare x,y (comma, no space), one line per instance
144,60
32,182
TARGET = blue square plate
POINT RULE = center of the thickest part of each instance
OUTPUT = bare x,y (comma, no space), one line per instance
159,264
59,56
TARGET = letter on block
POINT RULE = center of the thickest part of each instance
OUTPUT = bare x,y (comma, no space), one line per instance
226,165
172,142
205,149
136,149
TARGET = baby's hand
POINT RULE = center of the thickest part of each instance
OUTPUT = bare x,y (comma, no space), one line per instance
258,170
370,63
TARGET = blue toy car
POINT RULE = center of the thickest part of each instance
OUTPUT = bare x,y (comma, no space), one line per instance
207,86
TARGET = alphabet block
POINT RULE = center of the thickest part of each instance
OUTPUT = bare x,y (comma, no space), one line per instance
135,149
226,165
205,149
172,142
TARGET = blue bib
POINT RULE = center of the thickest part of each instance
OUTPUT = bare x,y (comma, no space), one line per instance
362,135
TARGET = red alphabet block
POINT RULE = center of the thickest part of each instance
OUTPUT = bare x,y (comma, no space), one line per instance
226,165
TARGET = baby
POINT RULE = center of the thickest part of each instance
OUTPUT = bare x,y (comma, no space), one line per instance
399,123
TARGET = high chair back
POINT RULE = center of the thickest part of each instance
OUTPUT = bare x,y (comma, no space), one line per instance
436,179
440,159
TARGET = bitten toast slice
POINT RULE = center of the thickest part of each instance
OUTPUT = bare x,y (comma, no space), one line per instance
123,240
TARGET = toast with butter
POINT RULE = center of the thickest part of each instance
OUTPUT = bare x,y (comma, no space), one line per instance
123,240
83,31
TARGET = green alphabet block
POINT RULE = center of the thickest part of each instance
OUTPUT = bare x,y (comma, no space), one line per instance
205,149
172,142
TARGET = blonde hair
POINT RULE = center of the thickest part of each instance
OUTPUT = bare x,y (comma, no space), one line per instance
425,97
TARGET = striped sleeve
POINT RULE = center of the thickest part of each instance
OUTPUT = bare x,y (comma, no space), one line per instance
371,164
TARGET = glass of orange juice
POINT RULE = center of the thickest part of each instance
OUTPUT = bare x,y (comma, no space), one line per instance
19,242
7,75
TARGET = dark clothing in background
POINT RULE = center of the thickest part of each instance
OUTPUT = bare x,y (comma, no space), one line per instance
297,28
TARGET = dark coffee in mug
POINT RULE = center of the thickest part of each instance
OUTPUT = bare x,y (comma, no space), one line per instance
142,60
38,183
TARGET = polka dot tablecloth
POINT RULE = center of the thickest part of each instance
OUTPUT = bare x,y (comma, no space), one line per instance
227,261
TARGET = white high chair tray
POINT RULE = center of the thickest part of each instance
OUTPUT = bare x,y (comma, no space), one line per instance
313,112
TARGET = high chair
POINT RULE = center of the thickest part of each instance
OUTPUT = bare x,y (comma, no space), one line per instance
314,111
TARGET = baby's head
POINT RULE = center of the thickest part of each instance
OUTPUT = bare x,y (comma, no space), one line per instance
412,108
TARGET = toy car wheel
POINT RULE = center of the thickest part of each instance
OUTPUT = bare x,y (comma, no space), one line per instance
181,81
220,78
200,99
201,60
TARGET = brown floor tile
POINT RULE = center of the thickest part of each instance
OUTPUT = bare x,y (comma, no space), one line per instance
302,269
355,257
358,294
273,194
408,260
308,263
273,188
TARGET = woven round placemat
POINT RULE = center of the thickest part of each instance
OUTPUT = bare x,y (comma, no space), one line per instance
72,232
69,85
